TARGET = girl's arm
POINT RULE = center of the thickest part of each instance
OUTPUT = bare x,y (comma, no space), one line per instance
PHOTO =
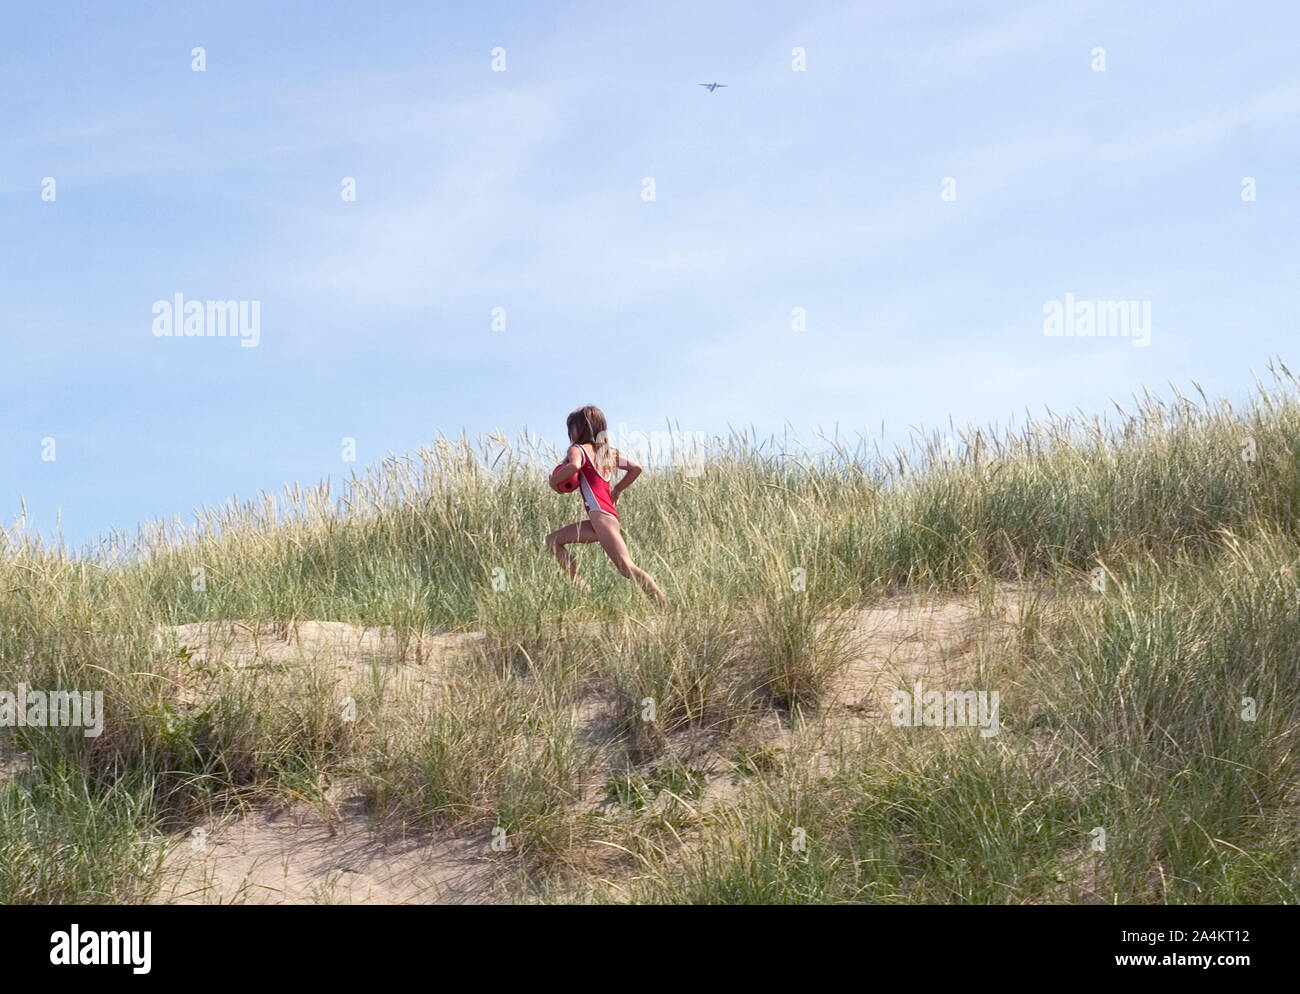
632,469
570,466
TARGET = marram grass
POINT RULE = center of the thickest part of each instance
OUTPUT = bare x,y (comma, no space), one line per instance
1151,679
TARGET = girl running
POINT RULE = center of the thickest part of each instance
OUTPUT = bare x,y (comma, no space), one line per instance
594,462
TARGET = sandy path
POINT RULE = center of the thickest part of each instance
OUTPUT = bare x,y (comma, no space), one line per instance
298,857
301,857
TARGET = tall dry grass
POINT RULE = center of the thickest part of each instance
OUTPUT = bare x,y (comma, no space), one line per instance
1127,699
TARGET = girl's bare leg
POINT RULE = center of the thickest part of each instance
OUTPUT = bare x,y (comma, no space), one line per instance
611,540
556,542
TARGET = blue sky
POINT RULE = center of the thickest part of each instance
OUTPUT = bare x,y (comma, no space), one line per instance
818,189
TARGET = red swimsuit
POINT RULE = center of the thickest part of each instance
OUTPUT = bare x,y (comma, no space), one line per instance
595,488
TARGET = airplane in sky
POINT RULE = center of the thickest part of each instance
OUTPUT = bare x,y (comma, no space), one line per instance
712,86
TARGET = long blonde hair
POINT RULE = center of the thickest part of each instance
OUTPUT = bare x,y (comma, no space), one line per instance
587,424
